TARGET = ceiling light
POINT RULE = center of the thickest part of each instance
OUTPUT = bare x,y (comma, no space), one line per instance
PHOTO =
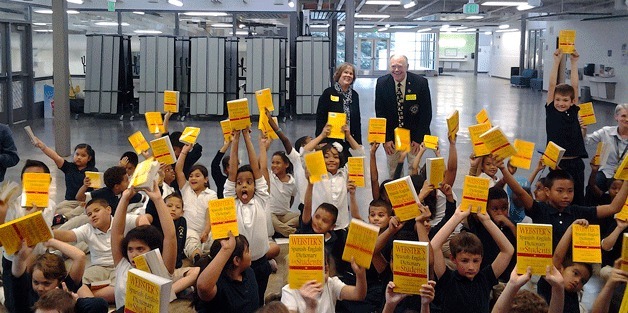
75,1
240,33
222,25
403,26
383,29
474,17
40,24
177,3
488,33
110,24
241,26
524,7
72,12
504,3
383,2
424,30
147,31
503,26
363,26
291,4
43,11
358,15
507,30
205,13
341,28
408,4
138,12
319,26
43,30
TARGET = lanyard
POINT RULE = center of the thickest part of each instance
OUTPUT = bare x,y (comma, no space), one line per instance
620,157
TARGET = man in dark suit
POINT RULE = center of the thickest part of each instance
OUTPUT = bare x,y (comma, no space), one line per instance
403,98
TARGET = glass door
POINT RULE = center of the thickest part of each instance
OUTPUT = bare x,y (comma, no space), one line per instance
373,54
15,73
3,74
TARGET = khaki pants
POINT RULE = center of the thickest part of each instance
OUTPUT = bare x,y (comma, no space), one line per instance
193,242
69,208
393,160
285,224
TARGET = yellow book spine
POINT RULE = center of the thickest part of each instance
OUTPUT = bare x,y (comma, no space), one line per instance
265,127
534,247
523,157
482,117
598,154
306,259
453,124
337,121
223,217
360,243
225,125
410,266
190,135
402,139
355,165
479,148
474,194
377,130
586,113
141,264
264,99
239,115
624,253
586,244
622,170
624,301
550,156
436,171
36,189
315,164
154,122
430,142
171,101
402,199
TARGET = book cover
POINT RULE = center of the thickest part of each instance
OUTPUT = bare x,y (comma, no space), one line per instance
225,125
96,178
162,150
479,148
474,194
145,174
600,154
138,142
430,142
306,259
586,113
622,170
624,302
435,170
403,198
453,123
623,214
624,253
146,292
190,135
171,101
223,217
523,157
355,165
402,139
9,191
239,115
32,228
336,120
534,248
152,262
482,117
567,41
155,122
377,130
552,155
315,164
360,243
35,189
497,143
29,132
410,265
586,244
264,99
265,127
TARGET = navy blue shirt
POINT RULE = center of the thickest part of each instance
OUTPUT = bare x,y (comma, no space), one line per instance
74,178
563,128
464,295
233,296
544,213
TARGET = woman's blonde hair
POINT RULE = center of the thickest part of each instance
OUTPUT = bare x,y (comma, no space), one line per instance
342,68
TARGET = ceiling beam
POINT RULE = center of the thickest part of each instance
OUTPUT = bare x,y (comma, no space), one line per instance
320,4
340,3
360,5
421,9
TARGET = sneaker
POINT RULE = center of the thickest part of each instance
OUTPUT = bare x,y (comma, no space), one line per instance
273,265
59,219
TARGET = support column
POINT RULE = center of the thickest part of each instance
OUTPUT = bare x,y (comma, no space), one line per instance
477,49
333,45
349,31
291,102
522,43
61,75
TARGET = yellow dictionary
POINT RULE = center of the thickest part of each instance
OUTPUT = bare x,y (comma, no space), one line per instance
336,120
146,293
623,214
435,170
35,189
430,142
453,124
145,174
479,148
265,127
586,113
171,101
482,117
622,170
567,41
32,228
600,152
525,151
624,253
162,150
474,194
152,262
585,244
377,130
624,302
534,247
402,139
403,198
355,165
239,115
315,164
306,259
190,135
360,243
96,179
223,217
138,142
410,265
225,125
497,143
552,155
155,122
264,101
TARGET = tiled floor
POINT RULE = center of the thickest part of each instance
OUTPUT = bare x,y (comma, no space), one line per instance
519,112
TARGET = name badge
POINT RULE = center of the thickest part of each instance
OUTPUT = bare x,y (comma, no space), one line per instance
334,98
411,96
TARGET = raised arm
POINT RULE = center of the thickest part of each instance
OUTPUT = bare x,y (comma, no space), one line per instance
284,139
440,238
591,183
558,56
49,152
310,146
609,241
64,235
80,194
206,283
306,216
539,167
264,143
78,257
215,165
414,167
374,172
252,155
525,198
357,292
452,163
506,249
353,202
118,223
575,78
178,167
504,302
603,300
615,206
233,158
352,143
564,245
166,122
169,254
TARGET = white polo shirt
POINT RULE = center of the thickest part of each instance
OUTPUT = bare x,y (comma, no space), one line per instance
195,207
16,211
99,242
293,300
281,193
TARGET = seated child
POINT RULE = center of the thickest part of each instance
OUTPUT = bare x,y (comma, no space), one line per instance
609,299
220,176
56,300
512,300
392,298
129,161
612,244
116,181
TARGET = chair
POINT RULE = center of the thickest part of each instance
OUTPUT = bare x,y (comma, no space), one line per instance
523,80
536,84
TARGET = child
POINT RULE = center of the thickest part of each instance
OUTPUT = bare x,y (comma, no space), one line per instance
321,298
468,288
116,181
191,156
140,240
228,283
612,244
334,189
56,300
392,298
97,235
512,300
129,161
220,176
562,124
196,196
610,297
596,196
84,160
249,188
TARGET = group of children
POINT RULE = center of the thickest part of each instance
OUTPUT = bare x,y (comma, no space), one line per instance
472,262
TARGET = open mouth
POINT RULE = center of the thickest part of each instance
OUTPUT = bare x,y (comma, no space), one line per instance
244,195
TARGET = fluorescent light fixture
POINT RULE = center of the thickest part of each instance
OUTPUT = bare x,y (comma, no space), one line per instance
72,12
341,28
43,11
43,30
177,3
524,7
359,15
75,1
383,2
503,26
474,17
363,26
383,29
403,26
424,30
504,3
241,26
445,26
488,33
240,33
409,4
319,26
147,31
291,4
138,12
40,24
205,13
222,25
461,28
507,30
110,24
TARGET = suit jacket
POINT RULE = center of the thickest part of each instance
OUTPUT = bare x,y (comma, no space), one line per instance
326,105
417,106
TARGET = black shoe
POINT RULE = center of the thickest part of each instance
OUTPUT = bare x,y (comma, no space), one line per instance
59,219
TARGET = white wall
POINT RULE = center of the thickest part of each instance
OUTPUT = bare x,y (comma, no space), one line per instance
504,53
